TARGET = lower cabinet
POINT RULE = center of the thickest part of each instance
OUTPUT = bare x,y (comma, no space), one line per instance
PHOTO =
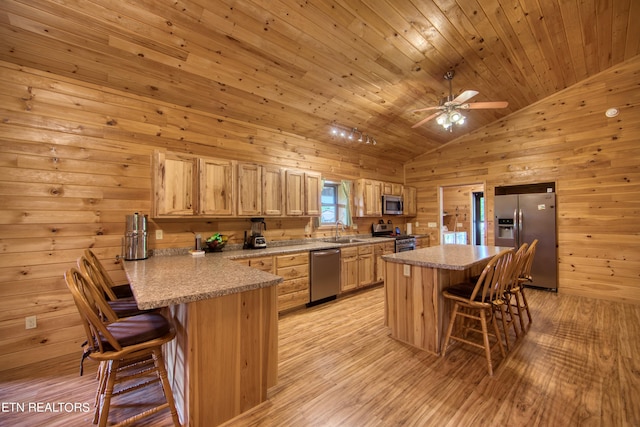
379,250
357,267
422,242
294,290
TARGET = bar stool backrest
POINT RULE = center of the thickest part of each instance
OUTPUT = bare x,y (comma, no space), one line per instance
494,278
90,304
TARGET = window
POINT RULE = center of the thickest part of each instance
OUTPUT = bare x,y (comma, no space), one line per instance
335,203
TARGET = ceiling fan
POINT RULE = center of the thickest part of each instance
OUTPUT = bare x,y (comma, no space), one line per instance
448,112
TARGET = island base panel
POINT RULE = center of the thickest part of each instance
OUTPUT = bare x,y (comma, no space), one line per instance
225,355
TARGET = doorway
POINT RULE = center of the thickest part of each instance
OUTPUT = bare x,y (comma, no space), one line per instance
478,223
463,214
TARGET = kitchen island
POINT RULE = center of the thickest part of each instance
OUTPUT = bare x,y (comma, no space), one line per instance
415,309
224,356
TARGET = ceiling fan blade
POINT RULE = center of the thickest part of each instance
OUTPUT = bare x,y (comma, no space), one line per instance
482,105
428,108
425,120
464,96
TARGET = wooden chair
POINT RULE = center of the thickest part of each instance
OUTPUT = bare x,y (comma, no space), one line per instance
112,290
523,278
121,343
123,307
512,293
479,302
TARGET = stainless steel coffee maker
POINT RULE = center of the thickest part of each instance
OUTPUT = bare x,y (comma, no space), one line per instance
134,243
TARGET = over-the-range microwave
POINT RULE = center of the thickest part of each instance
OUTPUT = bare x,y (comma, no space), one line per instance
392,205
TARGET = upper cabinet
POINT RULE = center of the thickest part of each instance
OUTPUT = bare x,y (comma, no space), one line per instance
250,190
392,188
174,184
216,192
294,192
303,191
409,197
272,191
312,193
368,198
186,185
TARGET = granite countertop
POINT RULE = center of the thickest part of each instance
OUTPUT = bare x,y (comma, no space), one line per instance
178,277
447,257
165,280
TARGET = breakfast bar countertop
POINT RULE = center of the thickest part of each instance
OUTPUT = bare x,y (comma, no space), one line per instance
447,257
160,281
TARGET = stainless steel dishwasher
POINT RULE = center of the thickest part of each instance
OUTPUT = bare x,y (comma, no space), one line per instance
325,275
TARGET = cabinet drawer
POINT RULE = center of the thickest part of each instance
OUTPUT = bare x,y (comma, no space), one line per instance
365,250
349,252
293,272
293,259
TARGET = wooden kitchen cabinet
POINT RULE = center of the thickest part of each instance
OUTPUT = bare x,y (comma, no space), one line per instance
174,185
392,188
380,249
356,267
368,198
422,242
410,200
250,189
294,290
216,187
294,184
312,193
365,265
272,191
264,263
348,269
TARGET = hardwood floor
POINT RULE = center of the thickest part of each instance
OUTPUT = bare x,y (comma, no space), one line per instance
579,364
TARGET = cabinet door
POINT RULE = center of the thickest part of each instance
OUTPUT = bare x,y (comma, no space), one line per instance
348,269
312,193
373,198
174,183
410,201
379,250
249,189
365,265
272,190
295,192
216,187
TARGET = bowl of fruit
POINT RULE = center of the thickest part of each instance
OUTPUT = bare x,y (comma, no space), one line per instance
215,243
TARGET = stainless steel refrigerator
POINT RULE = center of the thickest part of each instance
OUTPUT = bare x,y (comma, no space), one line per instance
521,218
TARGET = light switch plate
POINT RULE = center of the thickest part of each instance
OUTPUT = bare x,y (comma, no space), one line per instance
159,235
432,225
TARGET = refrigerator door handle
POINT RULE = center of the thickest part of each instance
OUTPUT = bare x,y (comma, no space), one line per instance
515,226
519,226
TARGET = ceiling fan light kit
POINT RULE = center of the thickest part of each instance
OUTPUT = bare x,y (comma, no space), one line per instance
449,107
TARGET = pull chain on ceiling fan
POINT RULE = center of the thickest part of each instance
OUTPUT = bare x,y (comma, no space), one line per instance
449,107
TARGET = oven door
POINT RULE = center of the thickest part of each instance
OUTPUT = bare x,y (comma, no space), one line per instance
405,245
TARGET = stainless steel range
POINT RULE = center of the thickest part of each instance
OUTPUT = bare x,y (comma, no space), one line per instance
404,242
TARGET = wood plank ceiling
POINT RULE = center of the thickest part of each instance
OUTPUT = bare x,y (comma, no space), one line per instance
299,66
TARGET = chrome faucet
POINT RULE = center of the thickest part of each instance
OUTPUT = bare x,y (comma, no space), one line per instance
339,225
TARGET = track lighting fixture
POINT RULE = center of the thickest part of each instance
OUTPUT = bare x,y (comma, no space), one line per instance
351,134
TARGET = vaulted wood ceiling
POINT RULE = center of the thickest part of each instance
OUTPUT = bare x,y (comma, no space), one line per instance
300,65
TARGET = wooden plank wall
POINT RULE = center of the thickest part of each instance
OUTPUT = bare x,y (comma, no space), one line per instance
75,158
594,160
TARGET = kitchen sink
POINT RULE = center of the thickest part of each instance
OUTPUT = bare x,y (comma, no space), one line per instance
343,240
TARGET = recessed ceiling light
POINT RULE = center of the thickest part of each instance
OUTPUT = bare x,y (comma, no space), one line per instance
611,112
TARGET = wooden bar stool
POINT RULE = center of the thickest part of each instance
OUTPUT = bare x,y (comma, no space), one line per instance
524,278
117,344
479,302
113,291
123,307
512,293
